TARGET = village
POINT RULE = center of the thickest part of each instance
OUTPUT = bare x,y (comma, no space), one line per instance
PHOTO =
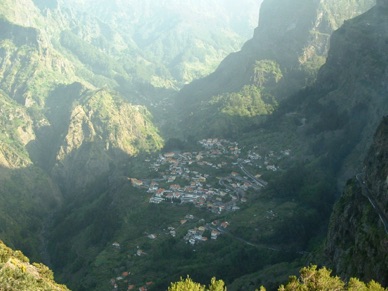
202,177
216,178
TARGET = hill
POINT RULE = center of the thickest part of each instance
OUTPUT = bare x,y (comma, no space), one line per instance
82,158
16,273
287,49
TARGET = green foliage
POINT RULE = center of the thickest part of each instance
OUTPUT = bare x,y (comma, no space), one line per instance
44,271
126,126
17,274
216,285
356,285
189,285
314,279
311,279
266,71
90,55
248,102
186,285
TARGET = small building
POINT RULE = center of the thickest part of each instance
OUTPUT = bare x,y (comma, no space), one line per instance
136,182
214,234
224,224
169,155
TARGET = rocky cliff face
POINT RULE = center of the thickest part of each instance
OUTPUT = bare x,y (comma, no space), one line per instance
62,124
357,242
376,166
293,37
103,130
347,102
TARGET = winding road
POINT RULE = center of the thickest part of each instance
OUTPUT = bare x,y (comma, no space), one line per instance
372,200
256,181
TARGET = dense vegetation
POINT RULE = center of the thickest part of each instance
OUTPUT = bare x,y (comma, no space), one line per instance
310,279
16,273
166,44
189,285
283,56
75,132
248,102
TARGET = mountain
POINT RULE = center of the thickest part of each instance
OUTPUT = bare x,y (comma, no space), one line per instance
359,223
338,116
329,125
341,111
138,43
175,41
321,125
72,89
81,103
51,112
99,131
288,47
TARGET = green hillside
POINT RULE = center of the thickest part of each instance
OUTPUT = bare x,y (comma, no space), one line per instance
116,181
288,47
16,273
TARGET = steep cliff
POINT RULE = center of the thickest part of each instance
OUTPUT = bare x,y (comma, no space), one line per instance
288,47
340,112
102,130
27,193
357,242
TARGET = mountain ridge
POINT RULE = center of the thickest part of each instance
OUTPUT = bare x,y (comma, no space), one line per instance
74,130
307,40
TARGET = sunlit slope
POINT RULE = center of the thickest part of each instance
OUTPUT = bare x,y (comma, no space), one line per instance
102,130
17,273
54,122
287,49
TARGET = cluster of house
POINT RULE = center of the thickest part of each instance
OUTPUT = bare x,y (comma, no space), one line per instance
196,234
189,177
176,169
269,160
178,166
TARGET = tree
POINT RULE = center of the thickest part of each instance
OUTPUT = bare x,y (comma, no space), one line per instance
189,285
311,279
186,285
315,279
216,285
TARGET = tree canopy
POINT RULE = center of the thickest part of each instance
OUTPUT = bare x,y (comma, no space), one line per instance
311,278
189,285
